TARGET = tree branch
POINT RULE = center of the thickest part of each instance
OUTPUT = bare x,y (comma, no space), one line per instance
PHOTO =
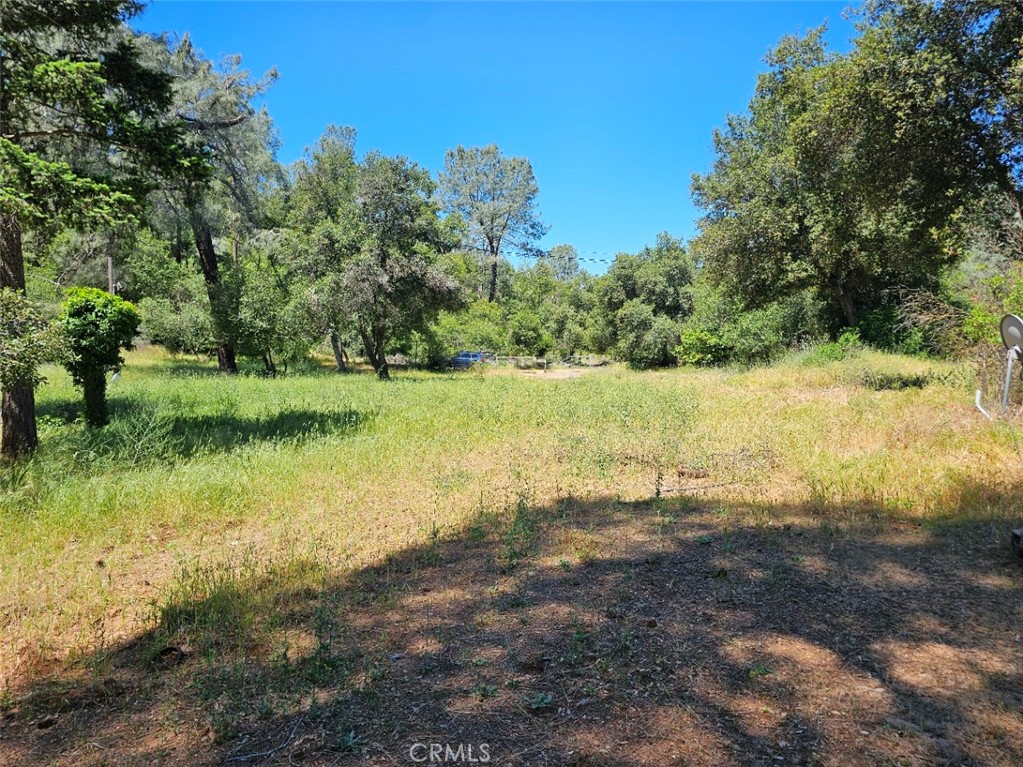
208,124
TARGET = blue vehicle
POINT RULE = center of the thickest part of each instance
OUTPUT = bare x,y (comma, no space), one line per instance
464,360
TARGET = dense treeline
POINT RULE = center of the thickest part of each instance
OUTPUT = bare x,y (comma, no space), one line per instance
876,193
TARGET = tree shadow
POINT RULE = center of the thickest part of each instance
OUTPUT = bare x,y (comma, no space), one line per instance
141,431
588,632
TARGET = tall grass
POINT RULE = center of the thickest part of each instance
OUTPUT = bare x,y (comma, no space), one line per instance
196,468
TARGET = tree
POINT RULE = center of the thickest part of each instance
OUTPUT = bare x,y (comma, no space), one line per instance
951,75
214,107
71,77
564,259
641,300
323,235
96,325
393,286
495,196
816,188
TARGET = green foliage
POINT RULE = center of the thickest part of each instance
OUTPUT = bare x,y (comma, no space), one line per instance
149,268
26,340
847,345
640,302
721,331
526,334
981,325
270,324
539,701
94,88
480,327
564,261
494,196
698,346
645,339
182,322
883,381
803,193
882,328
96,326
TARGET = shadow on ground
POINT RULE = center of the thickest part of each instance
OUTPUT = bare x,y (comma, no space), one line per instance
668,632
155,431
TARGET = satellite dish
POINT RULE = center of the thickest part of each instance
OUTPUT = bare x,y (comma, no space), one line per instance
1012,331
1011,328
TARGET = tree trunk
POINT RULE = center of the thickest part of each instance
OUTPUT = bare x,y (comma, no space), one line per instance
848,305
493,279
268,364
375,353
94,390
339,352
226,362
18,406
211,274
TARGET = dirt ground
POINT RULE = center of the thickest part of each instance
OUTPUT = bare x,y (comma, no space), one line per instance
669,632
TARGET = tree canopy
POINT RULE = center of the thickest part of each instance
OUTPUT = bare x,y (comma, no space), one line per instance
495,196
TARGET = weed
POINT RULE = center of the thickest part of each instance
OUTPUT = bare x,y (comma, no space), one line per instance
521,537
758,670
483,692
350,742
539,701
883,381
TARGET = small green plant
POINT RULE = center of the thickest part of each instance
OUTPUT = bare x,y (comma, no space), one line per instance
521,537
894,381
484,691
539,700
96,326
578,644
758,670
350,742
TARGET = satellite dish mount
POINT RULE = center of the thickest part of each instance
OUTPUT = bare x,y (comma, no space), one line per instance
1011,328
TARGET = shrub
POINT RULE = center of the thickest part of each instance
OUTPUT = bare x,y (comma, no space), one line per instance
847,345
646,339
527,335
96,325
884,328
181,323
879,381
702,347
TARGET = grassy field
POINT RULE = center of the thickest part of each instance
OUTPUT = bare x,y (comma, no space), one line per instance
802,564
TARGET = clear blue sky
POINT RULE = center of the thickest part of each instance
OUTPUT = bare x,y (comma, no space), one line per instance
613,103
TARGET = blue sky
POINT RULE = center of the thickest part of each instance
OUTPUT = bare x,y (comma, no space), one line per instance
613,103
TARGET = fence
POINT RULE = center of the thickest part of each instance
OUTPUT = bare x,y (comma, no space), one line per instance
575,360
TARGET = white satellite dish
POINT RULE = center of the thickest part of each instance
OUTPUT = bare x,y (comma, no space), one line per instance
1011,328
1012,332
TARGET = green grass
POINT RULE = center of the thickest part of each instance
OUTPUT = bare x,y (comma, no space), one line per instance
197,470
